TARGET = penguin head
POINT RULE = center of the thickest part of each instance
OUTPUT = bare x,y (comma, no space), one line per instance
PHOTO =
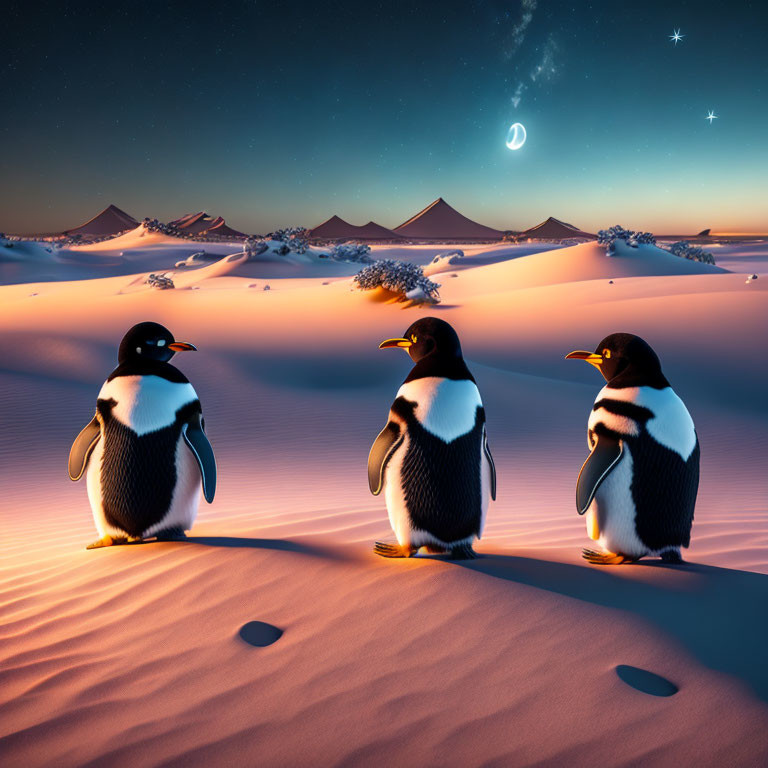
427,337
150,341
625,360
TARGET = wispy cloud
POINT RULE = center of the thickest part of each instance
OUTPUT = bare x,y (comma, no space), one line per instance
517,33
546,68
518,95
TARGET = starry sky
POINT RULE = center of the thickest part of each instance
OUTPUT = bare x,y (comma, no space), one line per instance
284,113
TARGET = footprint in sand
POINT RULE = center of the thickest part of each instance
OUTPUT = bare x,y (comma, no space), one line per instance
260,633
646,682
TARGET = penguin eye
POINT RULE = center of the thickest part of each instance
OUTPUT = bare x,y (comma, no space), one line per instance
161,343
150,342
607,354
414,339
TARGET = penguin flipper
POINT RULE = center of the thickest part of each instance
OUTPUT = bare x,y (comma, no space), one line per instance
491,463
382,449
197,440
604,457
81,449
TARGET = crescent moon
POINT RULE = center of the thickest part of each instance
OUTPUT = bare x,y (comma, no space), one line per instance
516,136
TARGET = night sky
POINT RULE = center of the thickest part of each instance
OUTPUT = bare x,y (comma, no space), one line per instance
275,114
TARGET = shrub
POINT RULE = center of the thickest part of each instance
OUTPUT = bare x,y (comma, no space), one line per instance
687,251
254,246
161,282
153,225
399,277
76,239
609,237
351,252
294,238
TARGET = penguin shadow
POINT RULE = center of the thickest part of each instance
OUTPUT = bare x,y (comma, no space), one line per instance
717,614
280,545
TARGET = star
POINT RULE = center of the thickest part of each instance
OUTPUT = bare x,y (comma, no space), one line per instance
676,37
711,116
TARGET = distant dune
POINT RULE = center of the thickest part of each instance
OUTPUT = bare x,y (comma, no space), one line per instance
587,261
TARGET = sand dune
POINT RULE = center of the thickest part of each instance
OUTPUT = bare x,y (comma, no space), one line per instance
133,655
587,261
140,238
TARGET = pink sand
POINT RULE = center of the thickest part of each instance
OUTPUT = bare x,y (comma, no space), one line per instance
130,656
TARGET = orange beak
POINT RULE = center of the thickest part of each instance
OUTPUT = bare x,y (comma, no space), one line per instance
589,357
182,346
391,343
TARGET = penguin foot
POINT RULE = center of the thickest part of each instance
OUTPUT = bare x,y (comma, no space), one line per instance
672,556
107,541
392,550
463,552
606,558
171,534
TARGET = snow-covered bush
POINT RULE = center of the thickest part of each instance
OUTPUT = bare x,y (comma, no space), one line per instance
153,225
67,240
295,238
687,251
608,237
399,277
254,246
161,282
351,252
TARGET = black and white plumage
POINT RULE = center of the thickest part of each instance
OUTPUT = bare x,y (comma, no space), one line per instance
145,450
432,459
638,487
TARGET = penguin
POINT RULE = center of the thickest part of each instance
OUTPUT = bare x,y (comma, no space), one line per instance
145,450
638,487
432,459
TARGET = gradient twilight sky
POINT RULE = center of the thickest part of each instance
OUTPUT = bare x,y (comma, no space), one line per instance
275,114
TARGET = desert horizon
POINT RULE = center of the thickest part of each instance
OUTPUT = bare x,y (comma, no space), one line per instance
89,226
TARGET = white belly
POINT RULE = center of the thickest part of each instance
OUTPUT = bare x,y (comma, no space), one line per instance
184,503
611,515
394,495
